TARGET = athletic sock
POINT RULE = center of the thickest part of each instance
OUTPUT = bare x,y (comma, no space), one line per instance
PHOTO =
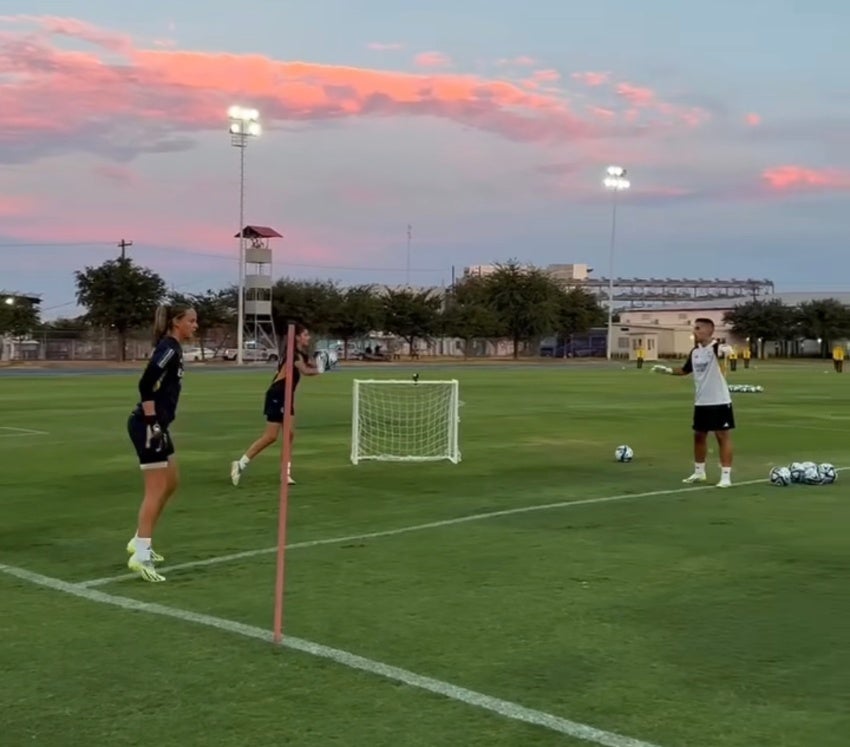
699,468
726,474
143,548
243,461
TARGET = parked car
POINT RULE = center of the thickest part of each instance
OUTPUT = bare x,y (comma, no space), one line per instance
198,354
252,351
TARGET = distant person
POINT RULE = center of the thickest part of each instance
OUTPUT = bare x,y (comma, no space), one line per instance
838,358
273,407
712,403
640,356
747,354
159,390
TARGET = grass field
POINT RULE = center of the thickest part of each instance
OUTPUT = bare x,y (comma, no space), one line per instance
657,614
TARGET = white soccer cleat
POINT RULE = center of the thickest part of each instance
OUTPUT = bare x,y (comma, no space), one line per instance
145,569
235,472
695,477
289,480
724,484
155,556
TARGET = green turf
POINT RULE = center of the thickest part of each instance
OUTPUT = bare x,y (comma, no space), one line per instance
700,618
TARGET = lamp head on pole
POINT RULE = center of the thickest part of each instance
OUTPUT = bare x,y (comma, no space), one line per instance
244,123
615,179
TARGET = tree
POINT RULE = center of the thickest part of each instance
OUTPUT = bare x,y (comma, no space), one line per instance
18,316
213,308
578,311
119,295
768,320
313,303
525,301
468,313
412,315
66,329
357,314
826,320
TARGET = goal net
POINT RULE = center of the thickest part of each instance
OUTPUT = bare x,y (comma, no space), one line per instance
405,421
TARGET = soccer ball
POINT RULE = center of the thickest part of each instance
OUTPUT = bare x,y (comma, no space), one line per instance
780,476
811,475
624,453
796,469
827,474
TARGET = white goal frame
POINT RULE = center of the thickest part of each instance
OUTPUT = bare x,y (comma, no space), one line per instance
451,452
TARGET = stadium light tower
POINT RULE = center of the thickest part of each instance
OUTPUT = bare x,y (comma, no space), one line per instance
244,124
615,181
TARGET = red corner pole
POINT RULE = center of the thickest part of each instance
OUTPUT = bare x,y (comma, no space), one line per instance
285,459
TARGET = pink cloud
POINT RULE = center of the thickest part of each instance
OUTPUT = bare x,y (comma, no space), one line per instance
16,206
636,95
432,59
117,174
789,178
592,79
153,99
753,119
385,46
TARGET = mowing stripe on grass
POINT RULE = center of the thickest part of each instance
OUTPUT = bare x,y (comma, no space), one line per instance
415,528
445,689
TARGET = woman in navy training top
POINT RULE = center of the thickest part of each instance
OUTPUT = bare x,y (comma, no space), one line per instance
274,404
159,390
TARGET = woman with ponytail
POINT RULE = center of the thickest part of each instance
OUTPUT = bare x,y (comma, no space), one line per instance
159,390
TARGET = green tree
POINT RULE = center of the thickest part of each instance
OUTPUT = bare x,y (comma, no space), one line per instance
66,329
826,320
578,311
358,312
468,313
214,309
313,303
119,295
18,316
768,320
526,302
412,315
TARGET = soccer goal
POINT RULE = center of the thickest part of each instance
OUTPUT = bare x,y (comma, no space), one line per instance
405,421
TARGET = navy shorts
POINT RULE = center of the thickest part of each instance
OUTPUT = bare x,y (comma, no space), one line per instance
713,418
273,406
149,458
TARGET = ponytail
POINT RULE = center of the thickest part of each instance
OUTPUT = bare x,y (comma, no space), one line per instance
160,323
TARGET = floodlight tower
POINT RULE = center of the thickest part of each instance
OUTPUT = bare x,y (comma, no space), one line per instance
615,181
244,124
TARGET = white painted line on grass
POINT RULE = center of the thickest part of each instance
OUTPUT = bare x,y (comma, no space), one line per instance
445,689
415,528
20,432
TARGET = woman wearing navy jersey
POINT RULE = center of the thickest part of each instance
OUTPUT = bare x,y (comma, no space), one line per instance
159,390
274,404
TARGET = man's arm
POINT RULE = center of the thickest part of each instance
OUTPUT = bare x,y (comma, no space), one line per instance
684,370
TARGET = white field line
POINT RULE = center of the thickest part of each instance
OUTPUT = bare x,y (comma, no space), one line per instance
20,432
414,528
445,689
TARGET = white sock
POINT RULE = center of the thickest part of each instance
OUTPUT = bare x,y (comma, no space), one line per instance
243,462
726,474
143,548
699,468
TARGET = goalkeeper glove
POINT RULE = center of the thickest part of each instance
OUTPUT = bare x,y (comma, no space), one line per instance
154,436
662,369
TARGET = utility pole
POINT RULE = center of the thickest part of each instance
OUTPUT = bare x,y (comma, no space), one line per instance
122,245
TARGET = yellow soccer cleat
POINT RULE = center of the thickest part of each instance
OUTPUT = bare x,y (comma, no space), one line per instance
145,569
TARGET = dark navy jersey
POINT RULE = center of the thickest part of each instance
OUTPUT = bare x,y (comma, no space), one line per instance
162,380
279,384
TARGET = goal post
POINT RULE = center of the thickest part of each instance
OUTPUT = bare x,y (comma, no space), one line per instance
397,420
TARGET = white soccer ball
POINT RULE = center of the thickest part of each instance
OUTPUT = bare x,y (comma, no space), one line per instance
624,453
796,469
780,476
811,476
827,473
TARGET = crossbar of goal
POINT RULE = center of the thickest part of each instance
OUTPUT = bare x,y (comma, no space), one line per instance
405,420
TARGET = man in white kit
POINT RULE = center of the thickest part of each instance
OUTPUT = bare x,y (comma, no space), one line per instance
712,403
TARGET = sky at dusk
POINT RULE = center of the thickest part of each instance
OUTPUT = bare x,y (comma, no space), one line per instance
486,125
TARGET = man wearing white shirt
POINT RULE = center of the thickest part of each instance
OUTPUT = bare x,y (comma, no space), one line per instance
712,403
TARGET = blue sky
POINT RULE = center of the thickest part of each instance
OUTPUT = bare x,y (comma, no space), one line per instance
486,125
